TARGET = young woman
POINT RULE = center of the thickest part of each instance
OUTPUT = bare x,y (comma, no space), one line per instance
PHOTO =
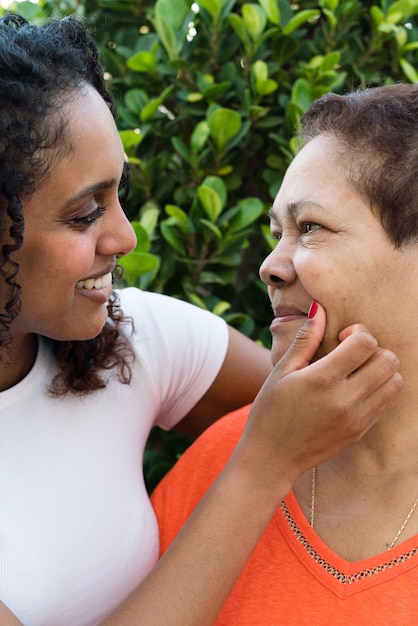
342,548
85,372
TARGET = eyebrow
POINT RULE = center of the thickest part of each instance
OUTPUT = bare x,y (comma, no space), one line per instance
91,190
292,208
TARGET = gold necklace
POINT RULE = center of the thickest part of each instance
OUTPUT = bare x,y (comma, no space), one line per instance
396,537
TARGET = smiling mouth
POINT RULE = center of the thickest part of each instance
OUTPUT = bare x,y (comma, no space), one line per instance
95,283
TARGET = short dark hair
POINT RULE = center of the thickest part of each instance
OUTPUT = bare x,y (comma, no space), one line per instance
378,131
41,67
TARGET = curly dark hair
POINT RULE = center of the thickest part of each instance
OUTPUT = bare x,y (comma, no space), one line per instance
39,66
377,130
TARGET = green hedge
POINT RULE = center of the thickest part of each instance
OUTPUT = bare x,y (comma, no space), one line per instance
209,97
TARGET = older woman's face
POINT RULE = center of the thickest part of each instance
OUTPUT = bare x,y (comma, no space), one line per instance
331,248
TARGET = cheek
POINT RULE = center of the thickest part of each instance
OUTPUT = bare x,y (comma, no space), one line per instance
335,290
59,258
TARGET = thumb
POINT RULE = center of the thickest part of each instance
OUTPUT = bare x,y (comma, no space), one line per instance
306,342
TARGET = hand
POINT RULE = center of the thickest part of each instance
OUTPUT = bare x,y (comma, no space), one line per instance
307,412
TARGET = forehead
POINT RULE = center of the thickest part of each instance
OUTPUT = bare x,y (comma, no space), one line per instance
92,146
316,176
91,158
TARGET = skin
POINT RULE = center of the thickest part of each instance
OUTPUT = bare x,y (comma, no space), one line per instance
332,248
358,379
61,217
55,217
76,208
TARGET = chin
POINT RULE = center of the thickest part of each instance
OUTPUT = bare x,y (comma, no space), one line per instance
80,334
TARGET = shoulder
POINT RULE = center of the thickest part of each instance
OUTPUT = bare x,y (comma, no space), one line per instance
135,301
156,311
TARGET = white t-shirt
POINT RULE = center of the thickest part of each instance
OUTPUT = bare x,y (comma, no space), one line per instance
77,531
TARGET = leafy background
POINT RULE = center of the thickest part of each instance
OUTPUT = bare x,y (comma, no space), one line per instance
209,96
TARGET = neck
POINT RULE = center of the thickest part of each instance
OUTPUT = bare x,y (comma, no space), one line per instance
365,494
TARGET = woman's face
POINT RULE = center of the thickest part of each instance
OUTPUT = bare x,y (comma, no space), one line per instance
74,230
331,248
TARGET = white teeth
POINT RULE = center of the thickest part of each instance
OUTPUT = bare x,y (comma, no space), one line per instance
95,283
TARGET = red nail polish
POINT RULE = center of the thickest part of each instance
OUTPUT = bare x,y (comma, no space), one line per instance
312,310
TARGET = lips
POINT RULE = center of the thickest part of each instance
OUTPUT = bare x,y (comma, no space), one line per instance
284,315
95,283
287,311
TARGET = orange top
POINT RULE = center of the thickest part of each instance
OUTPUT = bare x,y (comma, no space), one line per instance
292,578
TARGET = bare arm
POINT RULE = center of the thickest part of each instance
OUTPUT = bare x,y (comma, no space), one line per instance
243,372
323,408
7,618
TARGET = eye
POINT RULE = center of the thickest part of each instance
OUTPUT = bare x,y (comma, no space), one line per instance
89,219
276,236
306,228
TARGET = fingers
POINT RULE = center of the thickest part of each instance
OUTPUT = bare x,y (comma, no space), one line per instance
374,385
357,347
306,413
305,344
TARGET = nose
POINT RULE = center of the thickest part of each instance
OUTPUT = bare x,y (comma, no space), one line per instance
118,238
277,269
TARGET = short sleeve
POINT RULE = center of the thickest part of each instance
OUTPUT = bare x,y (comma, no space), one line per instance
179,347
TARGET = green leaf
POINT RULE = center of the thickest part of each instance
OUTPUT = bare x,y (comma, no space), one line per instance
250,209
143,242
167,36
199,136
272,10
255,19
135,100
181,148
221,308
143,61
137,263
301,17
215,230
180,217
260,70
224,124
211,201
212,92
266,87
197,300
401,11
173,12
172,238
213,7
152,107
240,28
301,94
377,16
331,4
149,217
130,138
409,70
218,185
331,17
330,60
195,96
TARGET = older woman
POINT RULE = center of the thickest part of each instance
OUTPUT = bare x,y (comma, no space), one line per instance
342,547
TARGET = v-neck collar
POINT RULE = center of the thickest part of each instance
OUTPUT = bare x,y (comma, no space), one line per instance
342,577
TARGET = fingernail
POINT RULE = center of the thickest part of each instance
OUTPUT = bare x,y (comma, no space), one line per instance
312,310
